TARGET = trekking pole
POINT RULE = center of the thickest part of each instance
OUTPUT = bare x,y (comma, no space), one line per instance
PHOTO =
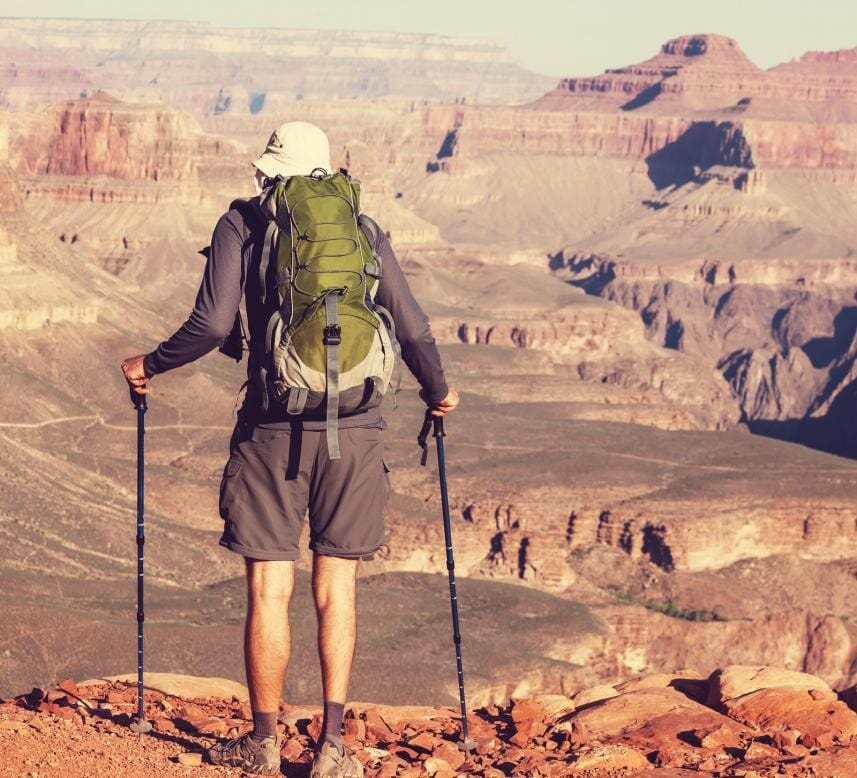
435,423
140,725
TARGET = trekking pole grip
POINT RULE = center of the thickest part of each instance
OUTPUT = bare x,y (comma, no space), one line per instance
138,400
438,426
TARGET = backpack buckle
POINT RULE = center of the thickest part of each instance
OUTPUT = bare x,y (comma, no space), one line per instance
332,335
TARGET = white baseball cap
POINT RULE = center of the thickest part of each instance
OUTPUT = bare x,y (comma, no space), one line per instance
295,149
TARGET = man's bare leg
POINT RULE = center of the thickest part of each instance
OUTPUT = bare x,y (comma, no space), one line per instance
267,639
334,583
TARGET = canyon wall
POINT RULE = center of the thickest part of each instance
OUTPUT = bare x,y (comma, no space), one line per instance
210,70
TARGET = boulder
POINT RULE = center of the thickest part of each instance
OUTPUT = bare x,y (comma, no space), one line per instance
820,718
660,721
611,717
688,682
595,694
547,707
189,687
727,683
609,758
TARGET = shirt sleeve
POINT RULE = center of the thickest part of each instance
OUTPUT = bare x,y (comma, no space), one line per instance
216,304
419,349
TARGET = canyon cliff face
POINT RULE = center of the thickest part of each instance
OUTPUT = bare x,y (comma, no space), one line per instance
714,199
711,72
213,71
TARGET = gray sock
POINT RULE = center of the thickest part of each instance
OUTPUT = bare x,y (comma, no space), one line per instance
331,727
264,724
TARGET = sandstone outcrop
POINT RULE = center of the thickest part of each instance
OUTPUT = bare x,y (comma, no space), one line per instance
103,136
783,329
630,734
701,70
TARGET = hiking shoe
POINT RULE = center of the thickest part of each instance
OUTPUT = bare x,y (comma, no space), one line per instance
329,763
257,756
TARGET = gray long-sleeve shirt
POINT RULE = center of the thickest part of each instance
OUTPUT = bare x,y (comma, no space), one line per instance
232,265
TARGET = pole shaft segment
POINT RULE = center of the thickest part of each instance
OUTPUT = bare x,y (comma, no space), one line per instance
140,404
450,566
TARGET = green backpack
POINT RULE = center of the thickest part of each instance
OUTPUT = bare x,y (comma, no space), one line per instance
330,350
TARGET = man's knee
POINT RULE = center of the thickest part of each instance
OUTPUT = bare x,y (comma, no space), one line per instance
270,582
334,579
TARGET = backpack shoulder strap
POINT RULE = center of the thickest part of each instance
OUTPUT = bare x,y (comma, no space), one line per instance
371,230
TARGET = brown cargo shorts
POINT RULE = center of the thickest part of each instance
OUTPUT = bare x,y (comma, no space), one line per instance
274,476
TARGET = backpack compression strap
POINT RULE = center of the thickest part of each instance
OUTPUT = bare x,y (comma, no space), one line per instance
332,339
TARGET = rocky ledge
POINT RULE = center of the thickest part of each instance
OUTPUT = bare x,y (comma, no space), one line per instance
740,721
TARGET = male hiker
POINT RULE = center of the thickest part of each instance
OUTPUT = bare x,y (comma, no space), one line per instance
287,454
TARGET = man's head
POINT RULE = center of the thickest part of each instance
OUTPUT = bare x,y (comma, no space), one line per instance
295,149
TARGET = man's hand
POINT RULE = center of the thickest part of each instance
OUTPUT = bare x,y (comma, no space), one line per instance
447,404
135,374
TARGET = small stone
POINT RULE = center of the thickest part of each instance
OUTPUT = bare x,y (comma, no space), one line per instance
376,727
162,724
449,753
292,750
486,745
354,730
433,765
818,739
757,750
786,737
423,741
716,738
190,758
69,687
407,754
64,713
314,728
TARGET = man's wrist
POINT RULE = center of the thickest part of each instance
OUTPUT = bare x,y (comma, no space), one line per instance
148,365
435,397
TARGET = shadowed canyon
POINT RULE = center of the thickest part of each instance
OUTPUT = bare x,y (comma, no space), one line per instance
644,283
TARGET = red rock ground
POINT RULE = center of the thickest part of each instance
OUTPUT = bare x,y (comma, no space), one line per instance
739,722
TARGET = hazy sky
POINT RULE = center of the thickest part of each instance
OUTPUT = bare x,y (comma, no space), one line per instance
556,37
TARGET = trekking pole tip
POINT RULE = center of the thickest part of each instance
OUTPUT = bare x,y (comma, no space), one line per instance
140,726
466,745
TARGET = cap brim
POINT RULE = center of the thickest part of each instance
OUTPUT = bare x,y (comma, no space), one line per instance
272,167
268,165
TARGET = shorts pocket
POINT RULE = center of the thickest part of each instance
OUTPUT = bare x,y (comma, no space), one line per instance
266,435
364,436
229,484
232,466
